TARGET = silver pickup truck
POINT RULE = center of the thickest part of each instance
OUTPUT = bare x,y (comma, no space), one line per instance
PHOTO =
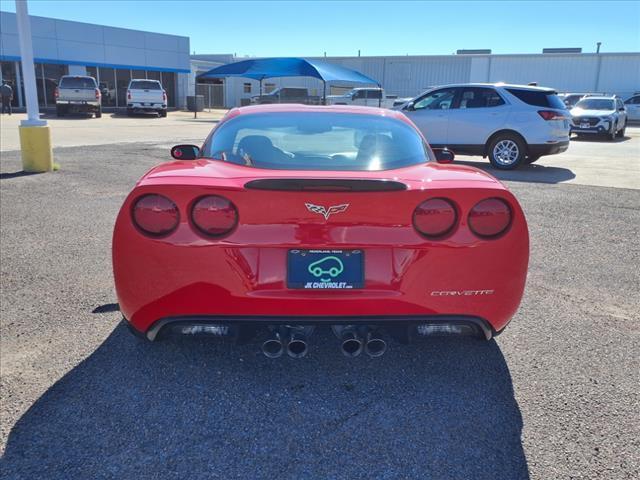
146,96
78,94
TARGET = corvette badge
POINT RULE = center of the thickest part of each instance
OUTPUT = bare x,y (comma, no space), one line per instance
326,212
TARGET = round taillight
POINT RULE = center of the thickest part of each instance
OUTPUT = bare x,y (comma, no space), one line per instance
214,216
490,218
434,217
155,215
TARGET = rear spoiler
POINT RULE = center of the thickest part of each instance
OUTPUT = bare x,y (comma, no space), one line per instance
326,184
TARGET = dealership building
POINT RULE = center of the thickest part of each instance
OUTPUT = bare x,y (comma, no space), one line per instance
111,55
115,55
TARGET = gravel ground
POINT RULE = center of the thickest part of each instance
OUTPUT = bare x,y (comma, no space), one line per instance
554,397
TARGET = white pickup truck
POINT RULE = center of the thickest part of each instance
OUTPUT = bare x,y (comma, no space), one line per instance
78,94
372,97
146,96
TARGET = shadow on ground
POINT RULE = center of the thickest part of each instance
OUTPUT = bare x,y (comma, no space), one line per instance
532,173
199,409
598,139
20,173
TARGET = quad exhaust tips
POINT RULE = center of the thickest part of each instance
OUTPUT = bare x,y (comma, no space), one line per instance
293,340
356,340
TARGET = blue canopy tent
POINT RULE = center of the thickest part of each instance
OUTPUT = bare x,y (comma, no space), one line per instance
261,68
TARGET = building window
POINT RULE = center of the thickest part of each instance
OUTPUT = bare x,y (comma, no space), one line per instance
123,76
269,87
246,87
169,84
10,76
139,74
50,75
107,84
153,75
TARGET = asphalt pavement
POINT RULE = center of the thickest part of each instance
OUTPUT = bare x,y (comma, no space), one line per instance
554,397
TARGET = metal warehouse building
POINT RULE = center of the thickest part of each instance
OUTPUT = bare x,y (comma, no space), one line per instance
111,55
407,76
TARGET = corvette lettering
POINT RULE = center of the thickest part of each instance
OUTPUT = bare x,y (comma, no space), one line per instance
326,212
461,293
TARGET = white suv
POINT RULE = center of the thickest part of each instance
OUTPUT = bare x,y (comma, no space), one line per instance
510,124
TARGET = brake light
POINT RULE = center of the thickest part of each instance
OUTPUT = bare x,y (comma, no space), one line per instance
98,94
490,218
214,215
128,94
164,96
551,115
56,93
155,215
435,217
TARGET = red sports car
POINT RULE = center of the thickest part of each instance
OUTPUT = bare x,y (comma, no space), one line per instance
292,217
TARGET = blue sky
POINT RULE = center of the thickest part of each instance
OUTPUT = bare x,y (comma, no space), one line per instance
311,28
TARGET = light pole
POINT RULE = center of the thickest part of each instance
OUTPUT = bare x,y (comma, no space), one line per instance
35,135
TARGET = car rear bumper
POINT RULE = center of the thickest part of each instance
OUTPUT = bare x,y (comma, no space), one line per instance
147,106
541,150
402,327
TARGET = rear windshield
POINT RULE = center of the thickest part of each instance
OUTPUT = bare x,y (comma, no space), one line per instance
78,82
538,98
596,104
317,141
145,85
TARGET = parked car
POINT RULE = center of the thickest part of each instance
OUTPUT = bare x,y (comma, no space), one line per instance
287,95
633,108
78,94
144,96
374,97
599,116
291,217
510,124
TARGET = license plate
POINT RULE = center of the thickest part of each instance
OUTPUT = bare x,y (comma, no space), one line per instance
325,269
584,125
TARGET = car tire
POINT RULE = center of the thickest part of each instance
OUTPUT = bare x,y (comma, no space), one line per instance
532,158
611,136
506,151
162,113
622,131
99,113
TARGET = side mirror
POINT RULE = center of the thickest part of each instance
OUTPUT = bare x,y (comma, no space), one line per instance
408,106
185,152
444,155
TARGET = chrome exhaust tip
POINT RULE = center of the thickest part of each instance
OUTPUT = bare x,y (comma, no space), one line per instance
297,346
351,344
375,345
273,347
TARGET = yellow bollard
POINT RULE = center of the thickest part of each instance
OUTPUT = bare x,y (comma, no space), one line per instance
35,143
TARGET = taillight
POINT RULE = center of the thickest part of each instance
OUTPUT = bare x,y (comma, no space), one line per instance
164,96
214,216
551,115
128,95
155,215
56,93
490,218
98,94
435,217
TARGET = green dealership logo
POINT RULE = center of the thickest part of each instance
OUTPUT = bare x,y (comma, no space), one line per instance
331,266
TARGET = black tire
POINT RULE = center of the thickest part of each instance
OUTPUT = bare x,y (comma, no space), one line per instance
99,113
622,132
162,113
511,155
129,112
60,111
532,158
611,136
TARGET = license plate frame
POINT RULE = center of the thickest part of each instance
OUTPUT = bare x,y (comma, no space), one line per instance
325,269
